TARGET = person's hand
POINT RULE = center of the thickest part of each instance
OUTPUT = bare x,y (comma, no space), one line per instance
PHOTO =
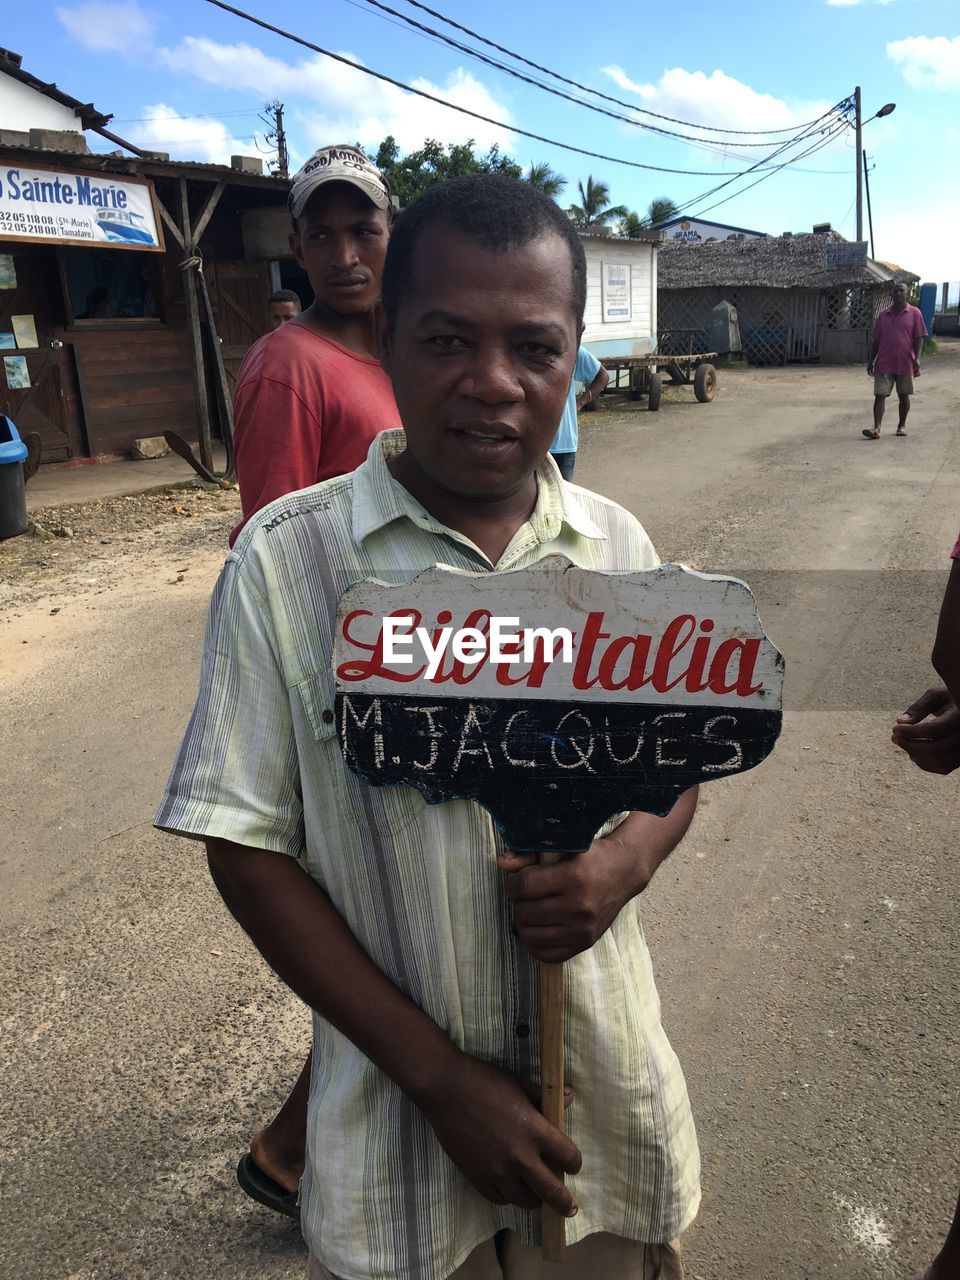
487,1122
870,369
929,732
583,400
562,908
916,368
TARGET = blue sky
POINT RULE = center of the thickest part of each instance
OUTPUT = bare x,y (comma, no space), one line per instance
190,79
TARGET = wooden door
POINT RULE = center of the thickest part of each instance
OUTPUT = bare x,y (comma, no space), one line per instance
42,406
238,294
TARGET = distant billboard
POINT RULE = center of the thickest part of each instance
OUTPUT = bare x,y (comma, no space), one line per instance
852,254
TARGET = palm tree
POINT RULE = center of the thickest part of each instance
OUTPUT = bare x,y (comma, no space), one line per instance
545,179
662,209
633,226
594,209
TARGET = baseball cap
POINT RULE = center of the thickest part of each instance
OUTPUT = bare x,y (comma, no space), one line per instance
339,164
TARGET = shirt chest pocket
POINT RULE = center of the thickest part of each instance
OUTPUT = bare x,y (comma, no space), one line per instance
384,809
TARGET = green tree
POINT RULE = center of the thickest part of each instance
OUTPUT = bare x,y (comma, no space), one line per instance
545,179
595,209
632,226
412,174
662,209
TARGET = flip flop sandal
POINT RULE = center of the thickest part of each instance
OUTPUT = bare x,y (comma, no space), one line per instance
871,435
261,1187
900,433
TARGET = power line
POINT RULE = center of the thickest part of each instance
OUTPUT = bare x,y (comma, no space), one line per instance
194,115
475,115
430,33
586,89
768,170
697,213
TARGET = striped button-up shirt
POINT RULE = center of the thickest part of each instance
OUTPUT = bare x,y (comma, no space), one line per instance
418,886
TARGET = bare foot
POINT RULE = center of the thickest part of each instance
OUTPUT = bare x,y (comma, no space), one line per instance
284,1167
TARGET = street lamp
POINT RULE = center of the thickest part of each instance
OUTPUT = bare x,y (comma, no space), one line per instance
885,110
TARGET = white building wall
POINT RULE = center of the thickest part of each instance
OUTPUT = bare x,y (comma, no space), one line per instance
23,108
638,335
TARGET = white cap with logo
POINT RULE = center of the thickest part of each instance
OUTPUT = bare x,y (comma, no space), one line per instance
339,164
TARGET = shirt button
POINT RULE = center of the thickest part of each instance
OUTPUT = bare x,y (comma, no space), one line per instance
326,716
523,1030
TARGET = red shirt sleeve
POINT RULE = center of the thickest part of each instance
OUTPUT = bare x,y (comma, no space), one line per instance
276,443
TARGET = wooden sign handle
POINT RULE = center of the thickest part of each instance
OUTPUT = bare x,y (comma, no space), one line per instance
552,1224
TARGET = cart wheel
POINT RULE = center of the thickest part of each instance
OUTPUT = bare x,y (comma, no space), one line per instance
656,386
705,382
636,383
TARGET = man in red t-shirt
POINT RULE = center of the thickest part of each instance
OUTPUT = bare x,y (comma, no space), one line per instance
311,396
898,336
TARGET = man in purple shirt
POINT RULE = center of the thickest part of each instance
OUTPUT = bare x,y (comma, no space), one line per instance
898,336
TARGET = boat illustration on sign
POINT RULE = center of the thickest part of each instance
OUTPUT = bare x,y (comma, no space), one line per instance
125,225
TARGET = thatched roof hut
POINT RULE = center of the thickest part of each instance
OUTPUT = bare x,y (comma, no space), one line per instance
799,297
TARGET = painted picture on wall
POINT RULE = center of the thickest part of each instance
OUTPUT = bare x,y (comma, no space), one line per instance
18,375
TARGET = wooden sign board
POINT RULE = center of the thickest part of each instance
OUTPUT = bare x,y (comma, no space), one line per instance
554,696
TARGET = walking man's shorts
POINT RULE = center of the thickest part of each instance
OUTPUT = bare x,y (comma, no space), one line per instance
883,383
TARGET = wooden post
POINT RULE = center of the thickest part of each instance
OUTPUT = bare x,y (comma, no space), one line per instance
196,335
552,1224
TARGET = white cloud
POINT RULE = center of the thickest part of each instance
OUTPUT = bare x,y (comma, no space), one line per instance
717,99
934,255
346,104
928,62
102,26
187,137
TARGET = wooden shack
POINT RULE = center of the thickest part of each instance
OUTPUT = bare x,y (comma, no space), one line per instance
101,328
621,312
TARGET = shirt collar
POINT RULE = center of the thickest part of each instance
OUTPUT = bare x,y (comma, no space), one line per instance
378,499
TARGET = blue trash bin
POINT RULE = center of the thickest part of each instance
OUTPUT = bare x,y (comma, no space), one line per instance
13,496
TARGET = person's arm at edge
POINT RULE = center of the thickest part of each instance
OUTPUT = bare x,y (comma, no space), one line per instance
946,648
561,909
929,729
874,348
481,1116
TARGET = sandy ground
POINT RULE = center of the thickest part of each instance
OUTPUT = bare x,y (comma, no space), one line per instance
804,934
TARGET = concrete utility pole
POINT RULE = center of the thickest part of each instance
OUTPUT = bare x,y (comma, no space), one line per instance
858,125
279,138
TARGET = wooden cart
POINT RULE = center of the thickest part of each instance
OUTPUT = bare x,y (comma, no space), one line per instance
646,374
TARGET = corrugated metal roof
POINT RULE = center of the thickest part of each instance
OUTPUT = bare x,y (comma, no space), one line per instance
116,162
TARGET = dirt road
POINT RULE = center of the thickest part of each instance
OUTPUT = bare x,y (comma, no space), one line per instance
804,934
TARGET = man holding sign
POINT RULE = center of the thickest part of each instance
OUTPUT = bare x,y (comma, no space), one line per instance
408,927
